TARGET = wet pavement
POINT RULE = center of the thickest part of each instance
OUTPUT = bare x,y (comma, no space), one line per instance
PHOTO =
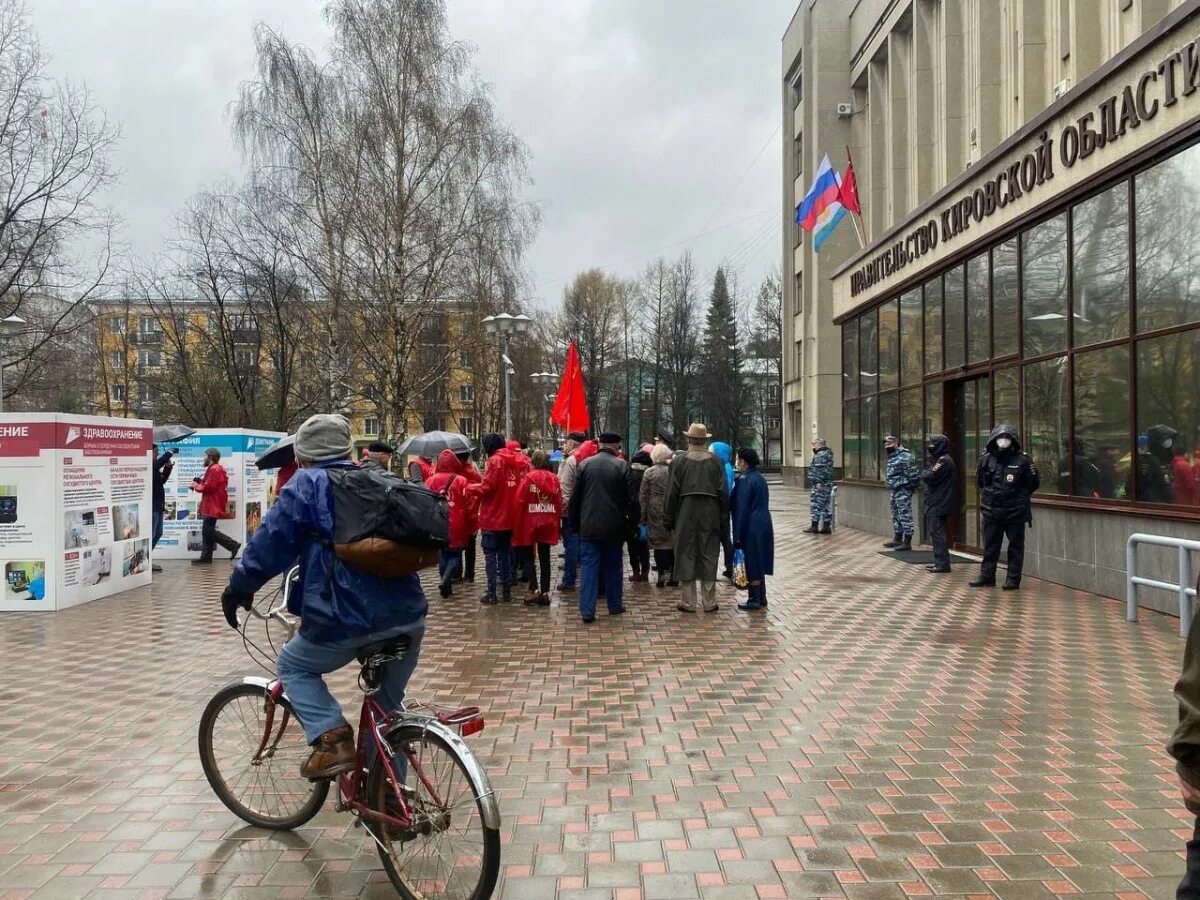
879,732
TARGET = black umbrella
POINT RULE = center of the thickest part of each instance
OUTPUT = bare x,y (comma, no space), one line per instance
432,443
164,434
278,454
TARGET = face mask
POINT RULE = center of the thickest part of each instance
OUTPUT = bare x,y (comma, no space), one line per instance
1167,443
1003,443
890,449
931,449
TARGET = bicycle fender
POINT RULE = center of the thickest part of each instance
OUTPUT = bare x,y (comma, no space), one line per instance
264,683
490,809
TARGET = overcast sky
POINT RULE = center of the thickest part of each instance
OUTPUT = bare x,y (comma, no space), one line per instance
641,115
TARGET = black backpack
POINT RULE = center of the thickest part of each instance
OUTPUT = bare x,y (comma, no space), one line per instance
384,525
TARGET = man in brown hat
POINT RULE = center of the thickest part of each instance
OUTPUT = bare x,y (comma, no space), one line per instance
697,507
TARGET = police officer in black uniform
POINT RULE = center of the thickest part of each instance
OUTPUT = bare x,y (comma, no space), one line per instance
941,498
1006,479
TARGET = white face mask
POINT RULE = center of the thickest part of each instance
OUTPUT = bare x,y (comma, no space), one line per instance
1167,443
1003,443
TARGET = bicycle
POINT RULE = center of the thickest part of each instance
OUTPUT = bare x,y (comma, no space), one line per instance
416,786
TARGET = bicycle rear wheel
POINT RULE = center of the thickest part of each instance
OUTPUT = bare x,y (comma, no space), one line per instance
448,851
270,793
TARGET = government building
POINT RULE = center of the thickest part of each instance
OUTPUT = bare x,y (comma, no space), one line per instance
1029,178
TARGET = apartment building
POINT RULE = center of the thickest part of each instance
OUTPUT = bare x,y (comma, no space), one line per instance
1029,180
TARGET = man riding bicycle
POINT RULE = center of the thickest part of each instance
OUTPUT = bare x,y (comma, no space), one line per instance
341,608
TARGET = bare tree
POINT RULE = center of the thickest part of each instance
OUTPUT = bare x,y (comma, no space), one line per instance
55,161
591,317
681,346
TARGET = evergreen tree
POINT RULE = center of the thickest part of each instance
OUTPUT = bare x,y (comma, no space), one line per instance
723,394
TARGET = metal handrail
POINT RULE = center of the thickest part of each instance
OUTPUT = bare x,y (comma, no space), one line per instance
1184,588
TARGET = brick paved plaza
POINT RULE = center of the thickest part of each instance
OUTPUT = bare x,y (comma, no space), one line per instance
880,732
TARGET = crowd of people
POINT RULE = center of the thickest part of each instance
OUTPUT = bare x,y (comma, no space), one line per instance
679,516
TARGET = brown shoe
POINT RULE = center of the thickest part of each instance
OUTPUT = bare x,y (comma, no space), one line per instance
333,754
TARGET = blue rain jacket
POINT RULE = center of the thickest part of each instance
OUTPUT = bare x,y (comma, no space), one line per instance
724,453
298,529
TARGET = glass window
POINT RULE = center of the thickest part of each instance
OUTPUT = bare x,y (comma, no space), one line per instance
1100,267
979,315
1004,298
850,440
910,338
868,352
1168,418
912,422
933,325
1044,434
933,409
1101,422
850,359
889,345
1006,385
1044,286
1168,243
889,423
954,325
869,438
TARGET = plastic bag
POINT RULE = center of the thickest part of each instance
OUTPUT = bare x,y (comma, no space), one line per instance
643,533
740,580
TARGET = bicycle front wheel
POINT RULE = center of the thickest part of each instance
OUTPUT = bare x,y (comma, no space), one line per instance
448,851
268,792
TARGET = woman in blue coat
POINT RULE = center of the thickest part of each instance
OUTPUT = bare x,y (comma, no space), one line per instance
753,532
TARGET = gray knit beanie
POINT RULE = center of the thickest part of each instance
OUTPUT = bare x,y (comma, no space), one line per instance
323,437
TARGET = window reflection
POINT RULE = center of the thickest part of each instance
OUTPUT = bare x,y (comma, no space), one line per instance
1168,419
850,440
933,325
868,353
1044,286
889,345
1168,243
869,443
1099,454
1004,298
1006,385
953,318
912,423
1045,432
933,409
889,423
910,338
1100,267
979,338
849,361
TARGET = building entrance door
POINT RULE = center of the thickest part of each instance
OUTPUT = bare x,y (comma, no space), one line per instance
968,424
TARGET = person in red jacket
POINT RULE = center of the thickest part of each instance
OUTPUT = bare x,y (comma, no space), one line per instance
539,510
448,480
420,470
496,492
466,468
213,487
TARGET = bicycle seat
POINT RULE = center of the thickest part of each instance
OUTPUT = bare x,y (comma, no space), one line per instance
392,647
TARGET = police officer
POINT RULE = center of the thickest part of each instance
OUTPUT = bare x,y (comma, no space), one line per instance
941,485
1006,479
820,475
902,477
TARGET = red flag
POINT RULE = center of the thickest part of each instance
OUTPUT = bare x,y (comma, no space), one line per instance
848,192
570,405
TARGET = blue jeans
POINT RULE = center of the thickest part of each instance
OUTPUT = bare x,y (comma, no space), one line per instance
448,561
302,663
570,567
156,528
601,560
497,559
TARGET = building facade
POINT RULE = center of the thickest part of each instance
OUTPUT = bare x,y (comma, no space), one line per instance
1030,183
917,92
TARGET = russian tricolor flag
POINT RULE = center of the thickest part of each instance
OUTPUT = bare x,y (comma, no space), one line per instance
822,209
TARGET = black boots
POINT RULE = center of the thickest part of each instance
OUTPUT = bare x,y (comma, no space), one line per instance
812,529
896,541
826,529
905,542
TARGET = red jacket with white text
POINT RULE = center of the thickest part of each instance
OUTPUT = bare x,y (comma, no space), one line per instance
539,509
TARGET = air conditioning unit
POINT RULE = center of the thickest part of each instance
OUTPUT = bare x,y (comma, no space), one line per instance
1060,89
845,110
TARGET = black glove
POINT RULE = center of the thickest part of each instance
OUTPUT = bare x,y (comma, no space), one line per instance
230,601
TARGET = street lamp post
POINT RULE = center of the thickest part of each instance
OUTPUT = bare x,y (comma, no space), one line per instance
544,380
9,326
503,326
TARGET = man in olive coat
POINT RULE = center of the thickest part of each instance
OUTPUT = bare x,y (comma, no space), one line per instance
697,509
